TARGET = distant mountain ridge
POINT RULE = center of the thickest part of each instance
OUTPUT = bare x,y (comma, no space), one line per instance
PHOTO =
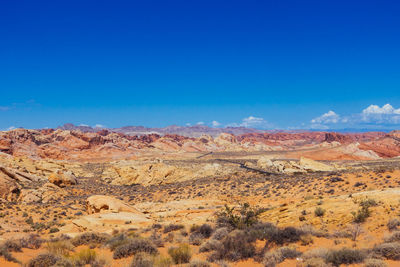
188,131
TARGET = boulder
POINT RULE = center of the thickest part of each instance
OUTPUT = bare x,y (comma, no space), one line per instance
9,187
312,165
101,203
62,179
265,163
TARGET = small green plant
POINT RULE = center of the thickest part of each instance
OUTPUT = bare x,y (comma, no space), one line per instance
61,247
85,256
361,215
319,212
239,219
181,254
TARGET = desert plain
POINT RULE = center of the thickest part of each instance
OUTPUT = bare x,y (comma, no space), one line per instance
70,197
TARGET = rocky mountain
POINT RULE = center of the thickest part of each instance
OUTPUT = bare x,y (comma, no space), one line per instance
189,131
106,144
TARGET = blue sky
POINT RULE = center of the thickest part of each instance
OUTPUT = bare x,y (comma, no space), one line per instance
265,64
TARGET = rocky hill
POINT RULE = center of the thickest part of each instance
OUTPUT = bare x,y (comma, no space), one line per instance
105,144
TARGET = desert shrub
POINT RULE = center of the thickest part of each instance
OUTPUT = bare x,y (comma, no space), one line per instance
116,241
33,241
162,261
196,238
7,255
389,251
369,202
361,215
206,230
393,224
194,228
374,263
316,253
199,263
90,238
262,231
99,263
239,219
181,254
142,260
237,245
314,262
393,237
12,245
306,240
285,235
173,227
210,245
65,262
220,233
43,260
272,258
156,239
319,212
134,246
61,248
85,256
345,256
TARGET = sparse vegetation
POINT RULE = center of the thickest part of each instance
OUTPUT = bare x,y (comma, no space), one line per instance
239,219
134,245
319,212
237,245
90,238
345,256
389,251
272,258
43,260
173,227
181,254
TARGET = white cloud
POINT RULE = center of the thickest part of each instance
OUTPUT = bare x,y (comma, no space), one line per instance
99,126
188,124
200,123
386,114
83,125
326,118
372,116
252,122
385,109
215,123
11,128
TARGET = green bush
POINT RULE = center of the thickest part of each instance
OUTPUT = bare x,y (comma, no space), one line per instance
319,212
239,219
181,254
83,257
236,246
272,258
345,256
142,260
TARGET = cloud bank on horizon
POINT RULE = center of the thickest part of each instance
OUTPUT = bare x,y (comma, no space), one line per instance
385,117
372,117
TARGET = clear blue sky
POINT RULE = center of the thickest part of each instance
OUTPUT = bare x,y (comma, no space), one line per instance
157,63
